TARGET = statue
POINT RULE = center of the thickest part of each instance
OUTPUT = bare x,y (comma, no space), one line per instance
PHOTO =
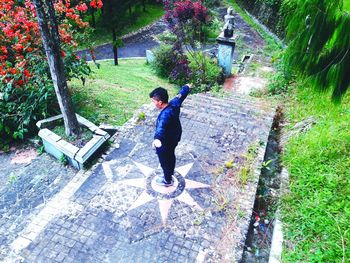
227,44
229,23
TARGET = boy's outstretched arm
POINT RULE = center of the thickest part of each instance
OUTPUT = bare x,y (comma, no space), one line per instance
181,96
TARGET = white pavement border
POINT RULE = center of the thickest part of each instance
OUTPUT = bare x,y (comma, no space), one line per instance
277,242
277,237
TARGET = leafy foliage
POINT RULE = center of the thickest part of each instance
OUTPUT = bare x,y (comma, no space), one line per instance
181,72
171,63
319,48
205,71
282,80
188,21
212,29
118,15
26,89
63,160
167,37
163,62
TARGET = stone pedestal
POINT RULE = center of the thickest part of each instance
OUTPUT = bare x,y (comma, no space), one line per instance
225,52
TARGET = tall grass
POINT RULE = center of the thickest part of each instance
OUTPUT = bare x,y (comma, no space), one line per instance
316,213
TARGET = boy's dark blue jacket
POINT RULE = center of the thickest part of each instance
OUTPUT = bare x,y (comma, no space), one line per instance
168,126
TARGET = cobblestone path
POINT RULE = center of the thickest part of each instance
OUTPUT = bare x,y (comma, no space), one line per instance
115,213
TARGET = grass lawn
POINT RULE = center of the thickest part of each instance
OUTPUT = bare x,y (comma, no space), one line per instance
102,36
112,93
317,211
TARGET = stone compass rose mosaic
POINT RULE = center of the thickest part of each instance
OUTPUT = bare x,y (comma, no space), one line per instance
164,195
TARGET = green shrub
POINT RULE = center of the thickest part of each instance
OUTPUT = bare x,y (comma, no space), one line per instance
213,29
167,37
21,106
281,81
205,71
216,88
63,160
163,60
172,63
278,84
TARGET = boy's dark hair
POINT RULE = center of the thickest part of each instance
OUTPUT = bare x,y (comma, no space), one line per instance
160,94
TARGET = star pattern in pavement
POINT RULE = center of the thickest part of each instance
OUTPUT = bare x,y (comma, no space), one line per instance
164,195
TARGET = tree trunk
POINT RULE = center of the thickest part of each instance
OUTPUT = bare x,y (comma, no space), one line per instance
50,37
115,48
144,5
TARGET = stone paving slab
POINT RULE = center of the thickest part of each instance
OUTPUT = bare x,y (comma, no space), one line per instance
116,213
25,189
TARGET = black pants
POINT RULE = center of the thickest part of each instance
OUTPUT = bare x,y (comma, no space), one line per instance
167,159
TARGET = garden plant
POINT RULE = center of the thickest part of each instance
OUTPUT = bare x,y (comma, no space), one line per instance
183,59
27,93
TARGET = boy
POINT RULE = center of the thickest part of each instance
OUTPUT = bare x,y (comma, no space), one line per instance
168,130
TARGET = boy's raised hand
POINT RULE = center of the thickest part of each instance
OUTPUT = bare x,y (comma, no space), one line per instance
190,85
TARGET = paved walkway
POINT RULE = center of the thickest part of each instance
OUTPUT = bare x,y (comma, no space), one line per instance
115,213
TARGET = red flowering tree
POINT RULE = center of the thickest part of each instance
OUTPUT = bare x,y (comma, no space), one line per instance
26,88
92,6
186,20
